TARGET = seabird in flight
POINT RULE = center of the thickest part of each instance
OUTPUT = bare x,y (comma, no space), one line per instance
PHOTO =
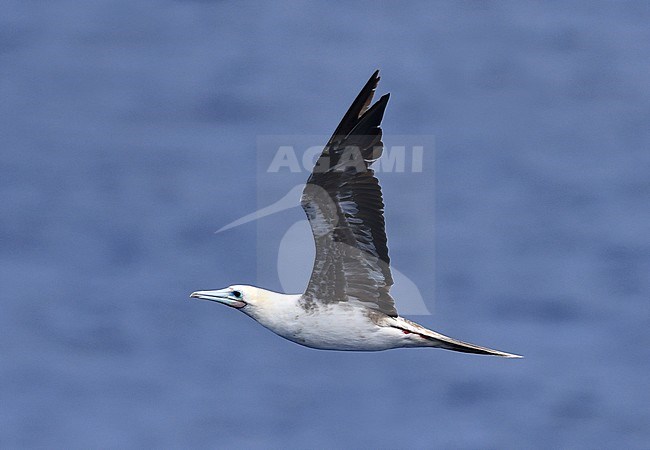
347,304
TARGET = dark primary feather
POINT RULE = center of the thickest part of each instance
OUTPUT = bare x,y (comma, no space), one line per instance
344,205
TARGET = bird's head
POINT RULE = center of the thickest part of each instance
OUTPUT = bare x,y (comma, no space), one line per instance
249,299
237,296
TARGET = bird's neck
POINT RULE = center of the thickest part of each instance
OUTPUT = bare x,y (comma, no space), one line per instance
272,308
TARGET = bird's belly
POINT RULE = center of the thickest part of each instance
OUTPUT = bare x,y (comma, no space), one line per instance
339,329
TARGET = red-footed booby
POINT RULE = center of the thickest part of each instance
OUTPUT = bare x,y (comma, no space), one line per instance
347,304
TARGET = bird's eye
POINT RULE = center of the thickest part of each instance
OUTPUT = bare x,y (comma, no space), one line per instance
237,294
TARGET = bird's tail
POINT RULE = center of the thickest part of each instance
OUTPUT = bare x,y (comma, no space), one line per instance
448,343
441,341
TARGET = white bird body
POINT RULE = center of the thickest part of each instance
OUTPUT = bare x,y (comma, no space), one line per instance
326,327
347,304
336,326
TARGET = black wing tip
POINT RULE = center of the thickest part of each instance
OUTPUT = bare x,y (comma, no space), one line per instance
383,102
373,81
384,99
370,87
375,113
358,108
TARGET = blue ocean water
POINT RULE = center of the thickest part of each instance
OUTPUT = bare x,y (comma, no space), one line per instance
129,135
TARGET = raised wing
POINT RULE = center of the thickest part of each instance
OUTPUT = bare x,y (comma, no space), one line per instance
344,206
